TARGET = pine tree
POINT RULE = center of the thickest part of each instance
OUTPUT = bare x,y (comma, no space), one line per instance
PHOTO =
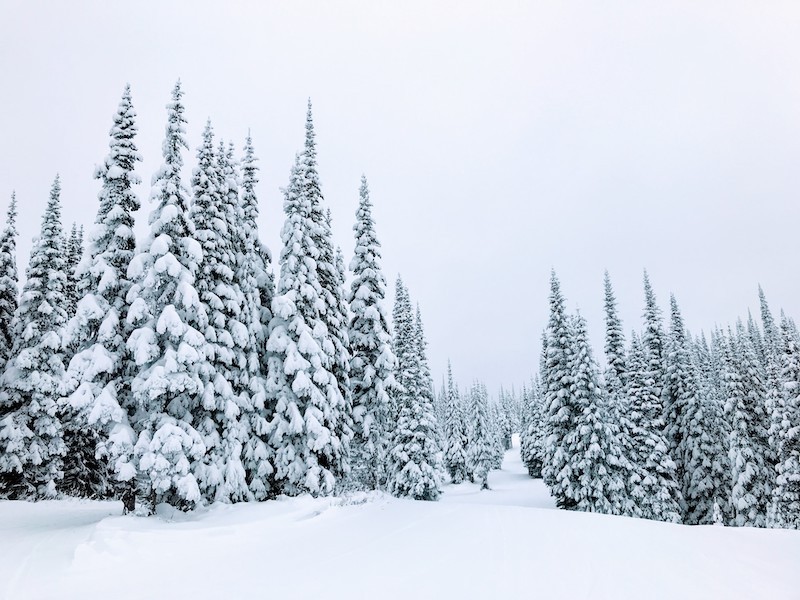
496,434
455,432
596,469
372,363
653,345
31,436
98,378
706,469
8,282
654,487
166,343
560,409
679,391
532,438
74,254
223,368
479,446
744,393
786,495
256,280
615,338
307,429
414,458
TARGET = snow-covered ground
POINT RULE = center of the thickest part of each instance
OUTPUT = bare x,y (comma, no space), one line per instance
508,542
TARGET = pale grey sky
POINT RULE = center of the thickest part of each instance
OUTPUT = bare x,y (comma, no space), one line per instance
500,139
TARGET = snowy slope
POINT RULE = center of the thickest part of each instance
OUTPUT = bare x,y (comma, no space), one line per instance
507,542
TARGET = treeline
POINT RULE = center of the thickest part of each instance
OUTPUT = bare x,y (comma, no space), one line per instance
179,370
679,427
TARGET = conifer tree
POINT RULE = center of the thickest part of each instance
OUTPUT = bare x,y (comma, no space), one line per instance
309,430
653,345
560,409
8,282
706,469
222,368
414,458
655,488
73,256
372,363
31,435
786,495
98,375
479,447
256,281
496,434
455,432
166,342
532,438
615,338
743,393
596,467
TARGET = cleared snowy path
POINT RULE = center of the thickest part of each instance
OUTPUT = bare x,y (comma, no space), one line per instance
506,542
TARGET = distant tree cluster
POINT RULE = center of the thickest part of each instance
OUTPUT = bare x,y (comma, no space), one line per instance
679,428
177,370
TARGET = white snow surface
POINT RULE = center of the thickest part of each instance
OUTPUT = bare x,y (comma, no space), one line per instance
507,542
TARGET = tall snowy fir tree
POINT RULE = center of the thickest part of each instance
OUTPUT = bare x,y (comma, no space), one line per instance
73,254
532,437
414,458
479,436
31,435
98,375
706,469
455,432
786,495
597,470
166,343
8,282
222,367
309,430
256,280
559,406
653,339
680,387
373,363
615,338
751,478
655,489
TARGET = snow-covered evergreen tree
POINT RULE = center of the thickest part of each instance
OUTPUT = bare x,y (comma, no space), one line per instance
560,410
98,375
166,342
597,471
496,434
744,407
256,281
223,366
309,429
615,338
455,432
532,438
8,281
372,363
655,488
31,435
73,256
415,468
706,469
786,495
479,445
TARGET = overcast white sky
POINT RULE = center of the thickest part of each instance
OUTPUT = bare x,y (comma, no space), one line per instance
500,139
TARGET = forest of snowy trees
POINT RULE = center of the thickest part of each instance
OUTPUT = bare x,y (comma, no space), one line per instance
179,369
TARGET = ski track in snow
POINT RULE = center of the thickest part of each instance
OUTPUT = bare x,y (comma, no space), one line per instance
504,542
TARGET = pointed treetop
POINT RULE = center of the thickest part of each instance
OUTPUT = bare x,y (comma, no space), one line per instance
11,215
310,135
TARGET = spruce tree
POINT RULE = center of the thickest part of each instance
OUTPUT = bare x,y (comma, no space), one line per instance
744,393
559,402
372,363
596,467
31,435
479,446
455,432
256,281
307,431
223,368
98,377
786,495
166,343
655,488
532,438
414,457
8,282
615,338
73,256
